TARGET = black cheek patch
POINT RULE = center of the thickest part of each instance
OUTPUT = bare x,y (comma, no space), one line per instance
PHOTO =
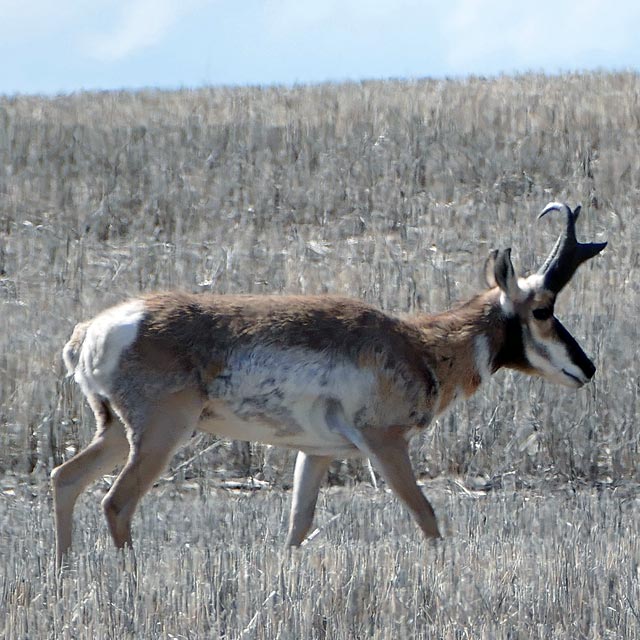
512,353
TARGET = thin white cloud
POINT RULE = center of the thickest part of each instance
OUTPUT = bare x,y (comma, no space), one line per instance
139,24
556,32
21,21
292,17
107,30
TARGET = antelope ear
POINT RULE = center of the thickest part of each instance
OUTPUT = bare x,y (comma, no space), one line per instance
505,275
489,269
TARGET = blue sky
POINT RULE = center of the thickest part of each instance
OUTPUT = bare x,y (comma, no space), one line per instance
70,45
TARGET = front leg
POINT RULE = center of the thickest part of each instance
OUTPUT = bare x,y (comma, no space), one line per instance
390,454
307,476
387,449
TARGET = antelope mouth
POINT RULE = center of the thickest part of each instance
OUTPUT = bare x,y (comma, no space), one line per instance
576,382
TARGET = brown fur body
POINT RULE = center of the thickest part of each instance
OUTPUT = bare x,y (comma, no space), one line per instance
386,371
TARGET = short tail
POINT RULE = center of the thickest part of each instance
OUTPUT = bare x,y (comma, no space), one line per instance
71,351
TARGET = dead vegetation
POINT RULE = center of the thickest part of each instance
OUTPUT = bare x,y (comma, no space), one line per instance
390,191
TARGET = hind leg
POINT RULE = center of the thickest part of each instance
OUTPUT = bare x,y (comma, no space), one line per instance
308,474
108,448
154,441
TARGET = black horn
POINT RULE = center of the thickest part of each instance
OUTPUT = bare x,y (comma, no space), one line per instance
567,254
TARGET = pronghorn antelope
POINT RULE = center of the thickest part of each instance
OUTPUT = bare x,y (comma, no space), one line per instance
328,376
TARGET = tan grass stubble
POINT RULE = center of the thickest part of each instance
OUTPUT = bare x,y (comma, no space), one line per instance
390,191
526,563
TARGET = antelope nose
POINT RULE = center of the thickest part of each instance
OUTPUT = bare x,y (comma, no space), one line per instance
589,369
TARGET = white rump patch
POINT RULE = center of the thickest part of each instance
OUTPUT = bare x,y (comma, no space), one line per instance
108,335
482,357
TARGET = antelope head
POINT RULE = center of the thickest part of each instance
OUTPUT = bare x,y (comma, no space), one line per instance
537,342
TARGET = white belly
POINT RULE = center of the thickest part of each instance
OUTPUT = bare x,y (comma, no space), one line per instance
220,419
278,396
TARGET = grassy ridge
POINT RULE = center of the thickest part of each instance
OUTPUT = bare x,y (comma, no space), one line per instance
389,191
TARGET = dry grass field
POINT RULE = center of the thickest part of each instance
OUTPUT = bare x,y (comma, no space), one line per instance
389,191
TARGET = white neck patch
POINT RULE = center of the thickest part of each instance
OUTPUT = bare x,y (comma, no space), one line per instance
482,357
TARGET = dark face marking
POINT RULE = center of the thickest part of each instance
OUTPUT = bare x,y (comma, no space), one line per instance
512,354
577,355
534,326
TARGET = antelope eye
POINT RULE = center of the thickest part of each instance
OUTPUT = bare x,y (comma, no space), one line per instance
544,313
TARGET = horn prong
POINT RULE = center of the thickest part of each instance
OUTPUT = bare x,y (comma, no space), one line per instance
576,212
555,206
567,254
